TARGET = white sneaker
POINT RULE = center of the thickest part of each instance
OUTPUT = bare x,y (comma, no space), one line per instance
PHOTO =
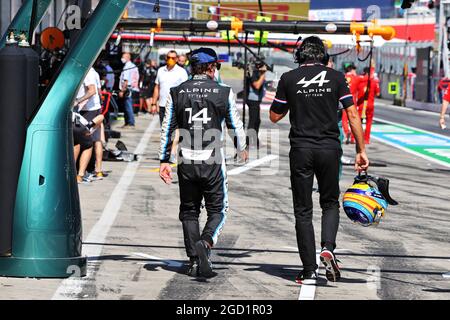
332,271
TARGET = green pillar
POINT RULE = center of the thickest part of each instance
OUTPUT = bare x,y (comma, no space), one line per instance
47,230
21,21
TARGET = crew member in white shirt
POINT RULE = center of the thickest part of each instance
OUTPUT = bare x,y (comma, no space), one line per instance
88,105
129,83
169,76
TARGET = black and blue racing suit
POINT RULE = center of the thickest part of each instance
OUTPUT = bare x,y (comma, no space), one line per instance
200,108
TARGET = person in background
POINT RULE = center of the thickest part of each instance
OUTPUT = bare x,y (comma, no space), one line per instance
110,78
99,137
445,102
129,83
412,82
148,78
255,95
82,138
183,61
87,104
351,77
168,76
366,102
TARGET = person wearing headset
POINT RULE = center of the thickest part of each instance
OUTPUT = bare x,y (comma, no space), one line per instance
312,94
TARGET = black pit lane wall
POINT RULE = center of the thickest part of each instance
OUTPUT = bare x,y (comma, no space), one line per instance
19,76
32,80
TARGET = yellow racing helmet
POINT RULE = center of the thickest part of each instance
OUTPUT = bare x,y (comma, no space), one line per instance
366,201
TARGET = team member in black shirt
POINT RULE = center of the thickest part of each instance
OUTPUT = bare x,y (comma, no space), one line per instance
255,95
148,78
312,93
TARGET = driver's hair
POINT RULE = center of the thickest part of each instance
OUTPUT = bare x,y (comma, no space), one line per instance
201,68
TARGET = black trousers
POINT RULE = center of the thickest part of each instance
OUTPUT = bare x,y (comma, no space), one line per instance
197,182
324,164
254,122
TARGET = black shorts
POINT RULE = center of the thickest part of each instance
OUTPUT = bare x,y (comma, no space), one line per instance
147,93
82,137
89,116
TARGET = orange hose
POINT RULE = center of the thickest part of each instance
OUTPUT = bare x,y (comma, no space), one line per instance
386,32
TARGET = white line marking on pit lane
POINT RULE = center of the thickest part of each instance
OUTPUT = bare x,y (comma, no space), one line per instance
442,163
70,288
446,275
410,127
308,291
252,164
169,263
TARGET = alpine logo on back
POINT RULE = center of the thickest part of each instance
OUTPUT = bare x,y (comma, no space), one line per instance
319,79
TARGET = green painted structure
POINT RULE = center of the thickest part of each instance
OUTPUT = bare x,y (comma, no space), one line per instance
22,21
47,228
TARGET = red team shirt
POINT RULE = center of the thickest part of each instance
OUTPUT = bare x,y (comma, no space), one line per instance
352,81
447,95
361,87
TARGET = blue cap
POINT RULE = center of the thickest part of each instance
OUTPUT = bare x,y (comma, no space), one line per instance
203,55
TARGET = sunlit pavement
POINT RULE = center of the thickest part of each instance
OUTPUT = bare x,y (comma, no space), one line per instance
141,252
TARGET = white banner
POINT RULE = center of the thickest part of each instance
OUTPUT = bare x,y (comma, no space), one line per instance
335,14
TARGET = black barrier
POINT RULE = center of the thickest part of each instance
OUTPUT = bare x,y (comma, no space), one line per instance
32,81
13,68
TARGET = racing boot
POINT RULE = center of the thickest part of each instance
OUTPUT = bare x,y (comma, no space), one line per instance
193,270
204,252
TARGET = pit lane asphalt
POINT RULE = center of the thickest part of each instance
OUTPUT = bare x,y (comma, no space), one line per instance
403,258
425,120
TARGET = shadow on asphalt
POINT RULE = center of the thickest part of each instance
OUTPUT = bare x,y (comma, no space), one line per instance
289,274
246,252
156,267
351,280
437,290
216,249
286,272
393,256
428,273
422,284
235,255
